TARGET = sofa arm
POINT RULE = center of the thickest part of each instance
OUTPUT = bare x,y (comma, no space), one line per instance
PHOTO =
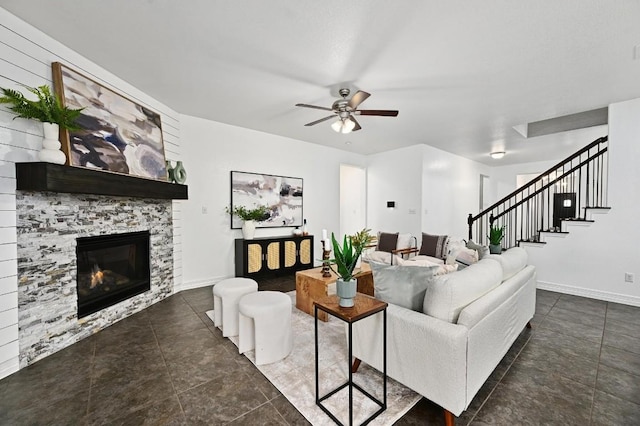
425,354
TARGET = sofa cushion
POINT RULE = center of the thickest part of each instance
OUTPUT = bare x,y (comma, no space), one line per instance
401,285
405,240
462,256
434,245
416,262
381,257
422,258
387,241
512,261
483,251
448,294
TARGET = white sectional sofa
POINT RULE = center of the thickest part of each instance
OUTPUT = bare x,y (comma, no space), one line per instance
469,321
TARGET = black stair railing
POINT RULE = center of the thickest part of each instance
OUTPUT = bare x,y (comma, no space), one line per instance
564,192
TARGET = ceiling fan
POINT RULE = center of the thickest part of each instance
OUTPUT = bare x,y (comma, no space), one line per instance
346,110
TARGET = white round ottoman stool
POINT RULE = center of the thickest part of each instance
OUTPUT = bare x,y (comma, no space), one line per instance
265,325
226,295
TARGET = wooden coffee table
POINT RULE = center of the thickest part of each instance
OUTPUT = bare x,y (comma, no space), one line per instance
312,286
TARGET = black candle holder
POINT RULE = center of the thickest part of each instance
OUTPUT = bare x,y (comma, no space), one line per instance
326,255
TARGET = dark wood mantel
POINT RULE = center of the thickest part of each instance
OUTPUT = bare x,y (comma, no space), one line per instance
80,180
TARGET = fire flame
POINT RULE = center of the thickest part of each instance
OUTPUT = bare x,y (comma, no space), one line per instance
96,276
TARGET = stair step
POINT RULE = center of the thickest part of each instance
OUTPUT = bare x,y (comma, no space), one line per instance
553,232
571,220
597,208
531,242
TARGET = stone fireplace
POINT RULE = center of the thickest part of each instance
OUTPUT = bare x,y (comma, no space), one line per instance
56,215
111,268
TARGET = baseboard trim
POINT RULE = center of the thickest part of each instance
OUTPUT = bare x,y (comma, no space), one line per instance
590,293
189,285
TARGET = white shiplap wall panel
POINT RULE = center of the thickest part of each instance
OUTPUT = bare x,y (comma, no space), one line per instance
7,186
7,235
8,251
7,350
7,201
26,55
8,284
7,219
8,301
8,268
8,335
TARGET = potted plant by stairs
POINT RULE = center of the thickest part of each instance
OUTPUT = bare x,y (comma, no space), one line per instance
496,234
47,109
249,217
345,259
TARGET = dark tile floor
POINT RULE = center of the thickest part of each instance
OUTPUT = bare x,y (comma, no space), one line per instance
580,364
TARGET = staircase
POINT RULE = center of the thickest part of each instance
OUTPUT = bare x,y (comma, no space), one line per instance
568,192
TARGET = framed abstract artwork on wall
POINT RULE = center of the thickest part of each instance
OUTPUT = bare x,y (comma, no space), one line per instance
116,134
281,195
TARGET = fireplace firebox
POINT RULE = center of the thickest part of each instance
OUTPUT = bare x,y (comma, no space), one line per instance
111,268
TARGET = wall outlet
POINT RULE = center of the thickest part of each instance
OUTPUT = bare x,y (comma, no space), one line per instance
205,210
628,277
412,211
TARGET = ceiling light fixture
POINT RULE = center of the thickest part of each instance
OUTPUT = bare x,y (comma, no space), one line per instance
497,155
343,125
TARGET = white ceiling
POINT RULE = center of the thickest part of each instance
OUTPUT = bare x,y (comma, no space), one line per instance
462,73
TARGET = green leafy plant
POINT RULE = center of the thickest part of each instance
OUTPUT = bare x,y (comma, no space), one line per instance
47,109
258,214
496,234
346,256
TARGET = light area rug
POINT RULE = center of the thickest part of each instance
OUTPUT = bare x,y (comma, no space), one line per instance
294,376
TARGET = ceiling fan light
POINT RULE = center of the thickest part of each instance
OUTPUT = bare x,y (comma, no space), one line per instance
348,126
337,126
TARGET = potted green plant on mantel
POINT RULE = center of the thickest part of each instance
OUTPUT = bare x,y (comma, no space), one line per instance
496,234
249,218
346,258
47,109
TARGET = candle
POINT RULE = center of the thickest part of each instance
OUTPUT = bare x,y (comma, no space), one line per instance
324,234
327,245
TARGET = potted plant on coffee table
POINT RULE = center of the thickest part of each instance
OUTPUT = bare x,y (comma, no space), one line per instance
49,110
249,218
345,260
496,234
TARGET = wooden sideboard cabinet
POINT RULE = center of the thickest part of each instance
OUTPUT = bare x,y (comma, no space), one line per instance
273,255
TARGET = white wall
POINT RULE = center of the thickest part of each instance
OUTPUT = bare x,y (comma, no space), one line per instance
591,261
211,151
503,178
395,176
353,199
434,191
26,55
450,191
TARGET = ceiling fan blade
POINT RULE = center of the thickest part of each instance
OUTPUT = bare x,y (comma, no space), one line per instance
358,98
357,127
382,112
320,121
314,107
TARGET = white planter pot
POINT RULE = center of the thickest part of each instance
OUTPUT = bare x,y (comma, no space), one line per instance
248,229
50,152
346,291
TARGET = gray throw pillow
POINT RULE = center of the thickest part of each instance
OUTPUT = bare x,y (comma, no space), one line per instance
402,285
387,242
434,246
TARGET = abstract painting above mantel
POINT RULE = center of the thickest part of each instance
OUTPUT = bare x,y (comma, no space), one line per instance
116,134
282,195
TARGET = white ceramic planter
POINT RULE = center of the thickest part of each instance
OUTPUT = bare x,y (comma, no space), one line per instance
50,152
248,229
